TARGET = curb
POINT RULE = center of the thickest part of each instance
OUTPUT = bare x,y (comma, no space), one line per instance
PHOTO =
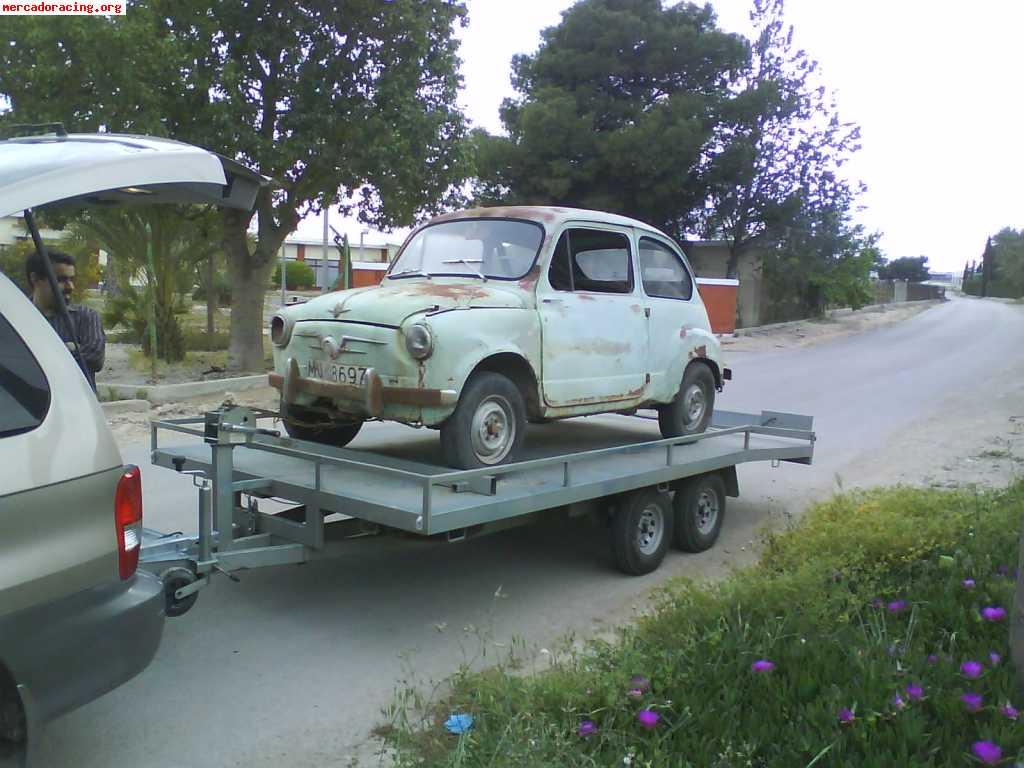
126,406
158,394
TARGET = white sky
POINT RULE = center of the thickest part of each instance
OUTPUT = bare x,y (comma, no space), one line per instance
935,86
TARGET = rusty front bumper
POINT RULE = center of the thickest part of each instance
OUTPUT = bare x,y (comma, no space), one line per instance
369,399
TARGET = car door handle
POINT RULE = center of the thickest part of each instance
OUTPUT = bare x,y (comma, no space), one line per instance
552,301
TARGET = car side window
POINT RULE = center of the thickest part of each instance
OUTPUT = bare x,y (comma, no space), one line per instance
662,271
592,260
24,391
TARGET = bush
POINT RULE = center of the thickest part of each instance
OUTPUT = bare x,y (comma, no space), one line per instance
1000,289
222,284
298,274
870,606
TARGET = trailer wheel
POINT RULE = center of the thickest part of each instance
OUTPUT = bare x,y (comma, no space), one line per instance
641,531
699,510
488,425
174,579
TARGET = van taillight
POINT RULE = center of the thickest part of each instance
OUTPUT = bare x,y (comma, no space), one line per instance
128,520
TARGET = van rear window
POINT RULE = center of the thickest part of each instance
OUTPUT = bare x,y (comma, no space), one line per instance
24,391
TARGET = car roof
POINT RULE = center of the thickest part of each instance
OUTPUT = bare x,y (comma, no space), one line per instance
551,216
108,168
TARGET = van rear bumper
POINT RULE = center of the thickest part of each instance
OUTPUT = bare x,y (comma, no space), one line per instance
66,653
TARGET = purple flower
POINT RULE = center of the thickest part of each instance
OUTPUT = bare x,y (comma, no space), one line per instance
915,692
1009,711
762,665
876,603
640,682
994,659
967,583
972,701
897,607
987,752
898,702
586,728
993,613
635,693
846,716
1002,569
933,659
971,669
648,718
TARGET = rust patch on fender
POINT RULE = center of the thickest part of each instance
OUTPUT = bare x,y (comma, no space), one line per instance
701,351
683,331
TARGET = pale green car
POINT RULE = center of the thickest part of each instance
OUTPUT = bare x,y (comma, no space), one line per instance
492,318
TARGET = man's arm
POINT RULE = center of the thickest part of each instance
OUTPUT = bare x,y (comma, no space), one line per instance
91,339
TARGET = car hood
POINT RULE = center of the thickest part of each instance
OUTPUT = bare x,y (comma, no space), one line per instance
396,300
108,168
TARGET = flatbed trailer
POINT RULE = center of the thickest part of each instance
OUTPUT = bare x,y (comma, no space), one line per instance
653,493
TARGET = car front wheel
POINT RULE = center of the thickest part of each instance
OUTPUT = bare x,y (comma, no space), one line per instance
305,425
689,413
488,425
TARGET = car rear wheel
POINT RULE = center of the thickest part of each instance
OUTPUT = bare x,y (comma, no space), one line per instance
307,425
689,413
488,425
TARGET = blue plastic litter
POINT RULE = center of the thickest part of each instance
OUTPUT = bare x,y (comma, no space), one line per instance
459,723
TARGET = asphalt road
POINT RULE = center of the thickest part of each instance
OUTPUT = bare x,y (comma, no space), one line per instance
293,665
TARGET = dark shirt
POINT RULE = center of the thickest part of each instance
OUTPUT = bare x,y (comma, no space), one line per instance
92,342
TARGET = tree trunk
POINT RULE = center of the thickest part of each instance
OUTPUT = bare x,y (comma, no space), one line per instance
732,270
211,297
248,291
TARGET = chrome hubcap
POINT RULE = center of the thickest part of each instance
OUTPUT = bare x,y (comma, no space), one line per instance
650,529
694,403
707,511
493,430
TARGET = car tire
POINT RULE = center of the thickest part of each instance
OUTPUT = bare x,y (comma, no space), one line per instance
641,531
690,411
698,512
488,426
303,425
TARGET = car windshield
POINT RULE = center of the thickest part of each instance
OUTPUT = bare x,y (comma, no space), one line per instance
483,248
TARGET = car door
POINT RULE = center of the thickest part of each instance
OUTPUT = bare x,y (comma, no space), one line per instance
675,315
593,334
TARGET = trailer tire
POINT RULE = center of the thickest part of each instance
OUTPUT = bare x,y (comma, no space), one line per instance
174,579
490,403
699,510
641,531
689,413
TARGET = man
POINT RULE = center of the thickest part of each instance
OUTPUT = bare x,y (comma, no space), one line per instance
92,341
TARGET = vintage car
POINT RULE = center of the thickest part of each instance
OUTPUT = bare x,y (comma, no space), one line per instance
491,318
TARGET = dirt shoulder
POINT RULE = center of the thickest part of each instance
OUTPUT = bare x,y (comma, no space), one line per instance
803,333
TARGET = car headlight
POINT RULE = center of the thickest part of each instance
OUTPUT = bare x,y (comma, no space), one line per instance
418,341
281,330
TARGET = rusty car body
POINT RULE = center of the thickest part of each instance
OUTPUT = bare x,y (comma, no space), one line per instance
494,317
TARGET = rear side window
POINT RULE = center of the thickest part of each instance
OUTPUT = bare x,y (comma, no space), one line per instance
662,271
24,391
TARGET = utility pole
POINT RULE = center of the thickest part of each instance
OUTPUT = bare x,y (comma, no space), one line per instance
324,271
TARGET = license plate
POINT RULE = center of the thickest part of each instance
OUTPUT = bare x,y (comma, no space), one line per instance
353,375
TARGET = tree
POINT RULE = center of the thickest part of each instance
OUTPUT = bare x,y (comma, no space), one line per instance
1008,245
614,112
162,245
779,150
331,100
909,268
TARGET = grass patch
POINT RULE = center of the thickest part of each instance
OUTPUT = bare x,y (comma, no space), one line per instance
864,612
